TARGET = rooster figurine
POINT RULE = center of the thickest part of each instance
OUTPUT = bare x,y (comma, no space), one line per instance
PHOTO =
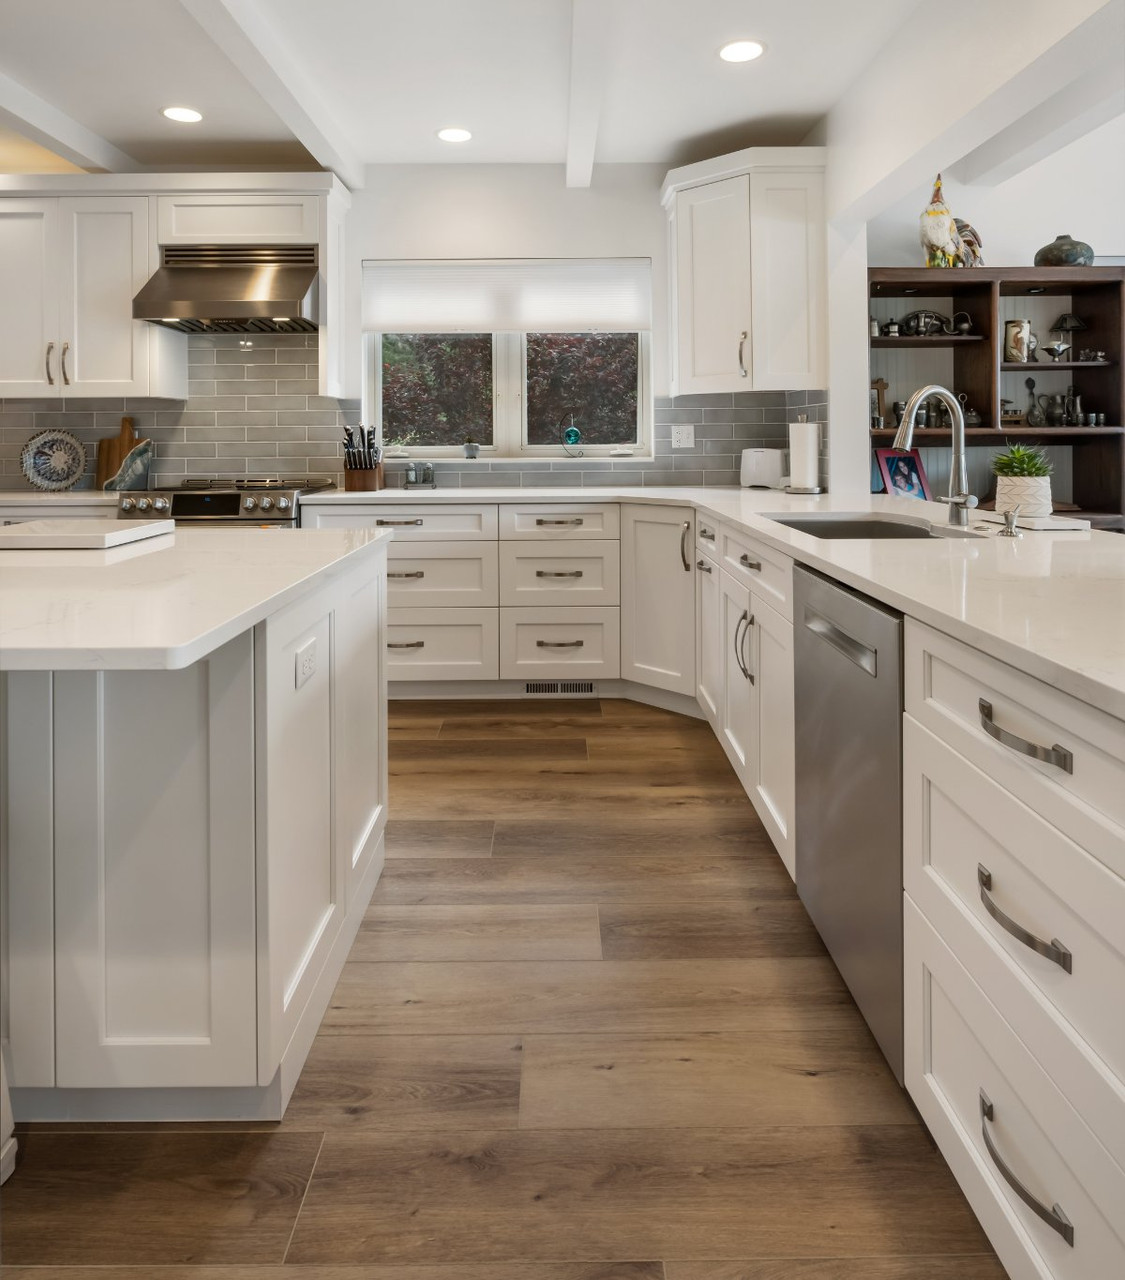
972,249
938,232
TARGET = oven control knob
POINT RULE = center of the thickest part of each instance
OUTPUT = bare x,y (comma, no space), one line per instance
127,504
143,504
266,504
160,504
283,504
249,503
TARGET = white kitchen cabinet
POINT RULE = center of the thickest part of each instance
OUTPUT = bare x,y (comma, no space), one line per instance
584,573
748,241
66,321
443,644
709,641
771,780
238,218
560,644
658,621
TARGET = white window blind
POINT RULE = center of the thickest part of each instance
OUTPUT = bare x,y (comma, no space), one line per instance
540,295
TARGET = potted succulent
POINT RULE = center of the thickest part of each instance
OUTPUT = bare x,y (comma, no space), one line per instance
471,447
1023,479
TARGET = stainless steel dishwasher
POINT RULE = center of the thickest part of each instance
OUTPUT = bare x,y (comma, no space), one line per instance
848,668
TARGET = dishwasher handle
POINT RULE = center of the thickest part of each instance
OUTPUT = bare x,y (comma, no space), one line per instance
854,650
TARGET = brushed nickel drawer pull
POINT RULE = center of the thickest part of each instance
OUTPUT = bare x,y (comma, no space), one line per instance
1054,1216
47,364
1060,757
703,566
707,534
559,644
745,561
552,524
396,523
1053,950
415,573
406,644
558,573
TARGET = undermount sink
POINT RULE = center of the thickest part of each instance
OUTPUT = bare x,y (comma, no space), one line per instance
864,524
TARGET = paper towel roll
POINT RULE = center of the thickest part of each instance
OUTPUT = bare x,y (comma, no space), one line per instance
804,451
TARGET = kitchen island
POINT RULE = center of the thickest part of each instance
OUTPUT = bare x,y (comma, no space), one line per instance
193,764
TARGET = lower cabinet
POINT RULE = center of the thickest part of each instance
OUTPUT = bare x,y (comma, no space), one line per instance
736,726
560,644
658,597
443,644
709,640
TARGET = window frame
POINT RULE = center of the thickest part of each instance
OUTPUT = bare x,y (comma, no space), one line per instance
509,406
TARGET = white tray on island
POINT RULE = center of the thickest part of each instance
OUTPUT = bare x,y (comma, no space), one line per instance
79,533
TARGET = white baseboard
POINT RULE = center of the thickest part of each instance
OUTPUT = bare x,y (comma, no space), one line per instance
7,1159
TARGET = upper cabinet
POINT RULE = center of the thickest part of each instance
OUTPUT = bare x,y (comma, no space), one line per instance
747,242
70,268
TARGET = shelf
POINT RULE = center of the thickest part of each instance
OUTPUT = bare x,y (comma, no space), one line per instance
924,436
933,340
1049,365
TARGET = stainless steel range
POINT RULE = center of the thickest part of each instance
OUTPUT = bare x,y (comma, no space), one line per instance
253,502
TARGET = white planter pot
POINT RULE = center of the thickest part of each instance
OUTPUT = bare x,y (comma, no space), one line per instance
1032,494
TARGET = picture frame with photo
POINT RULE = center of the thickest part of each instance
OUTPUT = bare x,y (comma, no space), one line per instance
903,474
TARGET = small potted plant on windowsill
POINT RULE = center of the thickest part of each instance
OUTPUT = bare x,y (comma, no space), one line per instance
471,447
1023,479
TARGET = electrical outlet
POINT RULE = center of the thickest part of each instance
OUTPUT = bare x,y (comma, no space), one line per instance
305,662
683,435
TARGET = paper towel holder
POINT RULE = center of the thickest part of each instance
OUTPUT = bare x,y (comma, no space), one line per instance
796,488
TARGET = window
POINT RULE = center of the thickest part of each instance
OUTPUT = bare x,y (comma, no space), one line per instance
435,379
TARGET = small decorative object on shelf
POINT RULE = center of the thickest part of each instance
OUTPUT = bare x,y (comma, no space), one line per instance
1054,409
1056,350
973,252
972,418
1089,356
943,237
873,326
929,324
1068,323
53,460
903,474
1035,415
1073,408
1009,414
891,329
1017,341
1023,479
898,408
1064,251
1032,347
878,402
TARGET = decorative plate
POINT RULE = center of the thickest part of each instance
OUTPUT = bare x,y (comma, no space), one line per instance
53,460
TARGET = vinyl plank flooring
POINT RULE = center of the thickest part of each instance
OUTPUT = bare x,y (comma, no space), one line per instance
496,881
418,838
522,1196
772,1078
155,1198
553,792
724,832
477,710
408,1082
486,753
982,1266
455,1271
715,929
650,998
529,931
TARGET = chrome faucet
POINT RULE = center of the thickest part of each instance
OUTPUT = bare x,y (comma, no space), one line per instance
960,499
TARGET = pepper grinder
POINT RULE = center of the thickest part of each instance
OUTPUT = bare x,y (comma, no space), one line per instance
1009,530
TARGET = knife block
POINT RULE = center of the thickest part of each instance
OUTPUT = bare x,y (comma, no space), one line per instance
365,479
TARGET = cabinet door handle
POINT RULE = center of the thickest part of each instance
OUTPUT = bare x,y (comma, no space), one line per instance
738,647
1053,950
414,573
1060,757
741,353
559,644
745,561
62,364
47,364
745,637
396,523
406,644
703,566
683,546
558,573
555,524
1054,1216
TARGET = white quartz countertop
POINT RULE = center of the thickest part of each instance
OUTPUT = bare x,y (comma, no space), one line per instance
1052,604
71,498
163,603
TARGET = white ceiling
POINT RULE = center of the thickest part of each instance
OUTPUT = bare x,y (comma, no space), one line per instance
383,75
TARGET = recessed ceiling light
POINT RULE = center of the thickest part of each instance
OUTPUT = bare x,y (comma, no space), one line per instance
741,51
454,135
185,115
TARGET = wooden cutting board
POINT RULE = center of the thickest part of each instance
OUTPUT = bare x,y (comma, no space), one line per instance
112,452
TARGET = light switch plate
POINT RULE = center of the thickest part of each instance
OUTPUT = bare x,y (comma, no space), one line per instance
305,662
683,435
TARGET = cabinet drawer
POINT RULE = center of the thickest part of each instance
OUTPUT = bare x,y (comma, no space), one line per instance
1081,789
536,573
967,842
706,536
970,1075
442,574
572,644
455,522
767,572
566,520
442,644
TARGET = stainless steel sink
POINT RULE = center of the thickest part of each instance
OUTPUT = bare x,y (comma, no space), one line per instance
863,524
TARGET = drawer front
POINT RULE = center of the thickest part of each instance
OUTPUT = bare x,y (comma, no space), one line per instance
552,644
442,575
706,536
535,573
946,684
434,523
443,644
564,520
1000,1120
766,572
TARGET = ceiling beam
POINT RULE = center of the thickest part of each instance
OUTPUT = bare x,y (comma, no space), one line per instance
34,118
246,35
587,84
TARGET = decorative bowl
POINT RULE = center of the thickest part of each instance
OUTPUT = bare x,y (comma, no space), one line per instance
53,460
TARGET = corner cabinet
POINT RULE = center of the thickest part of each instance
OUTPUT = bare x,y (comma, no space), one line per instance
658,597
747,249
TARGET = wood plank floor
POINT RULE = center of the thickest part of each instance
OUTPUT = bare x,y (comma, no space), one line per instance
587,1032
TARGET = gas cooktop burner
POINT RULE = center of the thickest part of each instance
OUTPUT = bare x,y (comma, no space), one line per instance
303,484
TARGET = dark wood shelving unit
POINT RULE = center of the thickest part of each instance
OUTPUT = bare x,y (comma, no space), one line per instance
1097,296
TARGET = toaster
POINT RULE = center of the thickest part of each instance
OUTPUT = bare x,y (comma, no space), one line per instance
765,468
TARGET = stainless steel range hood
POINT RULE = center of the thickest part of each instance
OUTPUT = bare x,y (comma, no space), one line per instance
234,289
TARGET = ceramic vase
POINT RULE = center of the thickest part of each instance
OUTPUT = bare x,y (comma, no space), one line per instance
1063,251
1032,494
